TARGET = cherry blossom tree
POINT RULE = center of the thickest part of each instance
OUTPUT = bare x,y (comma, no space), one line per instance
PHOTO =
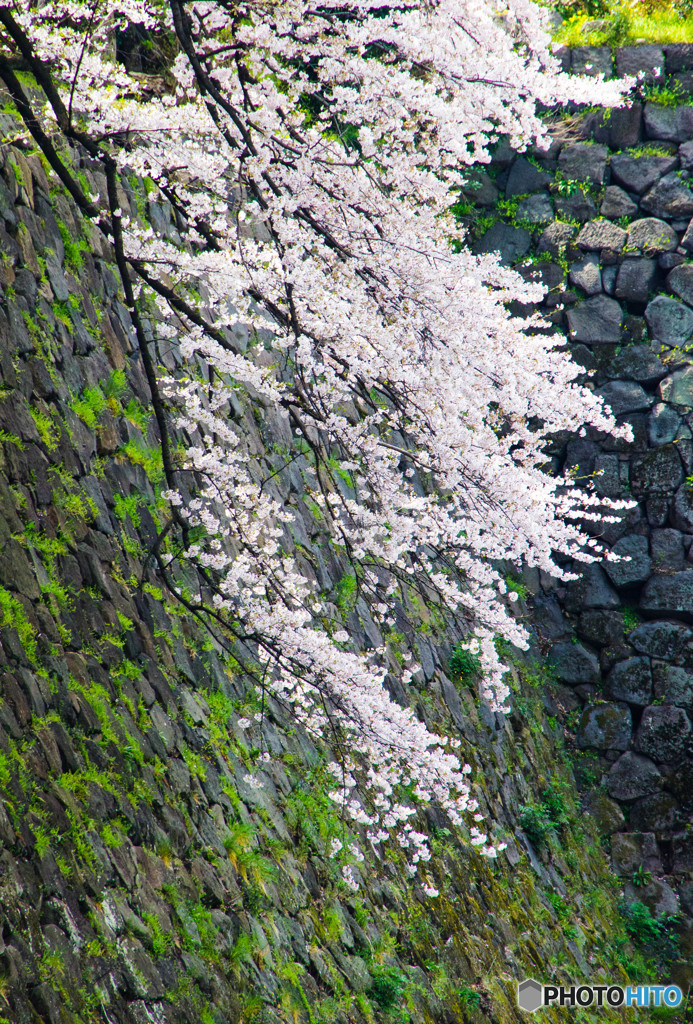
312,153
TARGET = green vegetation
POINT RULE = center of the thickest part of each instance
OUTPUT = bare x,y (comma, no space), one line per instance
541,821
388,985
47,428
74,248
464,665
627,22
90,406
654,937
15,617
346,592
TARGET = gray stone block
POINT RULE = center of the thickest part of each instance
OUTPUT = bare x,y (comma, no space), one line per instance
586,274
617,204
574,664
535,209
635,279
592,60
669,595
677,388
663,733
583,161
637,362
555,238
624,396
630,851
592,590
648,60
509,242
667,550
660,639
673,684
524,178
601,234
578,206
679,57
668,124
669,321
632,776
651,236
670,197
640,173
630,680
658,471
597,320
605,727
662,425
680,282
638,567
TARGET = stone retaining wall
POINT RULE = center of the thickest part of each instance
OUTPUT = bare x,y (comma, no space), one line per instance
604,219
142,879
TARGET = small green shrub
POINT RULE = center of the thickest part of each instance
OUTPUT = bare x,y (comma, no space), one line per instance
469,998
541,821
388,985
654,937
463,664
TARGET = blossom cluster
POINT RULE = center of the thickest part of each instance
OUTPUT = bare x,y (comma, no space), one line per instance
312,154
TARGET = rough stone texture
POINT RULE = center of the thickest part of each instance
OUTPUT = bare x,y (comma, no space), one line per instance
605,727
605,812
638,566
510,242
524,177
663,425
639,363
573,664
159,864
682,509
555,237
677,389
671,124
679,57
176,820
669,595
535,209
658,471
587,275
635,279
603,628
680,281
592,590
673,684
624,396
651,236
663,733
640,60
630,681
617,203
576,207
601,234
670,197
640,173
632,776
583,162
596,321
634,850
669,321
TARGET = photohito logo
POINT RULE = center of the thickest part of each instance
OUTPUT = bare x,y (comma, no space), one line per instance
531,995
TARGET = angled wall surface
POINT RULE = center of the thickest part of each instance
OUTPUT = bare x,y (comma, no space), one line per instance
143,877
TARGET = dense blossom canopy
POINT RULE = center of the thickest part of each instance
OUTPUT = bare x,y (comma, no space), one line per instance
312,152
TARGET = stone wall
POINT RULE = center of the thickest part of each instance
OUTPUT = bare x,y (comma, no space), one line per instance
604,219
142,879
